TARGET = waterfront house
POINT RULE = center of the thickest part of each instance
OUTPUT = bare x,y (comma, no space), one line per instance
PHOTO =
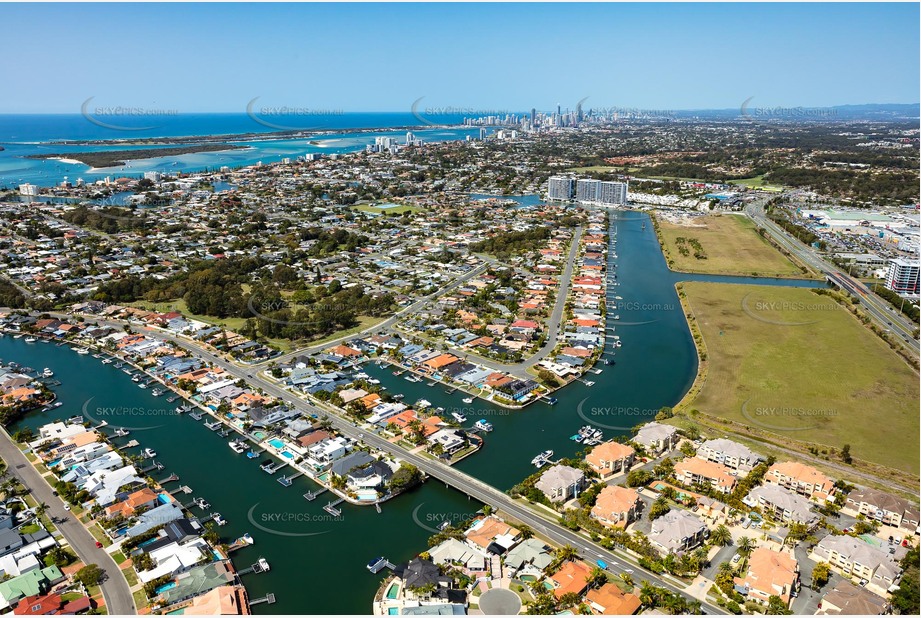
421,579
454,552
143,498
530,552
770,573
846,599
492,534
560,483
609,458
677,531
616,506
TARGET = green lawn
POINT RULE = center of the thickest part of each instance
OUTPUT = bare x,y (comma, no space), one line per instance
398,210
797,365
130,576
756,182
731,244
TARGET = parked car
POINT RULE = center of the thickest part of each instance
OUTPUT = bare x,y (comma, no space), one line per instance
98,544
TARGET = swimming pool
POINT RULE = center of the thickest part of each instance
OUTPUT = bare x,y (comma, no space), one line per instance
393,591
287,455
259,435
165,587
276,443
528,578
393,611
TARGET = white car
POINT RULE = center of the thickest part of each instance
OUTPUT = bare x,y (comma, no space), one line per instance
66,507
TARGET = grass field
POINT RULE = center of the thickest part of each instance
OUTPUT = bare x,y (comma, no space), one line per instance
399,210
797,365
731,244
756,182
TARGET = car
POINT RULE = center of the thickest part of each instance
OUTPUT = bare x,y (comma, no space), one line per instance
98,544
736,559
863,582
66,507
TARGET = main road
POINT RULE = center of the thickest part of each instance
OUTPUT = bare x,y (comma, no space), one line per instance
875,307
115,589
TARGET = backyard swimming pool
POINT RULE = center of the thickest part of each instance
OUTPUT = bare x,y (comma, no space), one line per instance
276,443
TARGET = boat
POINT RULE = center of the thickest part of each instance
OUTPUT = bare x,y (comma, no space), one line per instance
197,415
251,454
220,521
149,452
136,378
444,525
460,418
142,385
608,361
83,351
31,339
374,381
118,365
376,564
58,404
617,344
467,399
156,392
75,420
47,373
412,378
172,399
423,404
121,432
541,459
483,425
237,446
551,401
107,361
617,317
213,426
576,438
618,298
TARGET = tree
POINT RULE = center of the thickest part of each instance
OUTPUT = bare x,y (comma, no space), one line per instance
627,579
776,606
526,531
637,478
846,454
569,599
659,508
566,552
721,536
597,578
820,575
746,545
90,575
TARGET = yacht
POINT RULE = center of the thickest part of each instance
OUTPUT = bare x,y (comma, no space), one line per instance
617,317
483,425
237,446
107,361
412,378
149,452
460,418
136,378
47,373
541,459
156,392
213,426
83,351
121,432
467,399
30,339
75,420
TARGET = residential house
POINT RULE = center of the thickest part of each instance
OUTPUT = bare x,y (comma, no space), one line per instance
656,438
560,483
616,506
610,601
885,508
770,573
731,454
695,471
802,479
609,458
859,560
782,504
677,531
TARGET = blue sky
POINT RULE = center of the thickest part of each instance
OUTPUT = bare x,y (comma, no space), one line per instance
382,57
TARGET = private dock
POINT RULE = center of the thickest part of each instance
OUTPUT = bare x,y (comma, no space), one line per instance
132,444
272,469
312,495
379,564
185,489
262,566
269,598
172,477
156,465
286,480
331,507
244,541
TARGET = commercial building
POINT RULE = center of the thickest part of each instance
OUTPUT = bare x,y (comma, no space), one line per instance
903,276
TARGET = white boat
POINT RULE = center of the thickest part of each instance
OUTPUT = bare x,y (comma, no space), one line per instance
83,351
47,373
149,452
412,378
423,404
467,399
460,418
617,317
213,426
374,381
483,425
156,392
107,361
541,459
236,446
30,340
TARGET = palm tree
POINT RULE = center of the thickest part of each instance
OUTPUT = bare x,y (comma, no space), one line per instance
627,579
649,596
566,552
40,509
721,536
745,545
726,567
597,578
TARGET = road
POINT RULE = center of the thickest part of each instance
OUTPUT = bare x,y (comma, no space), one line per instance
115,588
461,481
876,307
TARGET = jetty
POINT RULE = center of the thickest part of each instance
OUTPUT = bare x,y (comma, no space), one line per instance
172,477
331,507
132,444
378,564
275,467
156,465
312,495
286,480
244,541
269,598
185,489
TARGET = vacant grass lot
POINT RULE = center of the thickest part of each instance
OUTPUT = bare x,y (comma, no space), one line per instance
796,364
397,210
731,244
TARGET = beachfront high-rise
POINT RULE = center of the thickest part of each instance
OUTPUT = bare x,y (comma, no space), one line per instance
903,276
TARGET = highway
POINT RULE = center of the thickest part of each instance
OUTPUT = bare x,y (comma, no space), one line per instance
876,307
115,590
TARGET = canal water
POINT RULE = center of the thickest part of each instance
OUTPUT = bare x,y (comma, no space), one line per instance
318,561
